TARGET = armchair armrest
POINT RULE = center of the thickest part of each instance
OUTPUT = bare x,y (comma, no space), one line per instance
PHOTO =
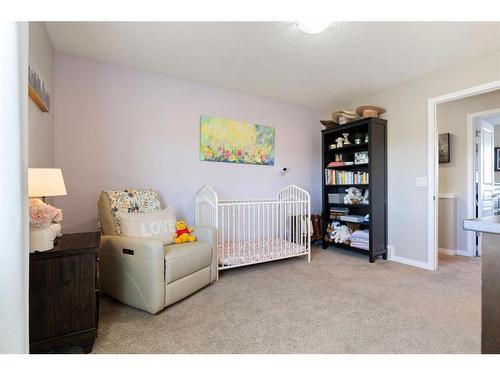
132,270
209,234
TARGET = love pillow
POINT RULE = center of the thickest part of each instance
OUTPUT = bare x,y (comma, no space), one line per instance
158,225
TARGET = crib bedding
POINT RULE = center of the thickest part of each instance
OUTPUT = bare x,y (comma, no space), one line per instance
264,250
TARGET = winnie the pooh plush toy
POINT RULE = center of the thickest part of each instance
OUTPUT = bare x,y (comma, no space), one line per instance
183,233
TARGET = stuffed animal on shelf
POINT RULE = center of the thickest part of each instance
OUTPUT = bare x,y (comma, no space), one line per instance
183,233
329,232
341,234
353,196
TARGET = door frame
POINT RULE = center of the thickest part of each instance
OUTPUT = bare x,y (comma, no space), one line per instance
433,166
471,188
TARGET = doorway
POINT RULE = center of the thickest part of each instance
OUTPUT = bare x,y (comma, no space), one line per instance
466,141
433,166
484,201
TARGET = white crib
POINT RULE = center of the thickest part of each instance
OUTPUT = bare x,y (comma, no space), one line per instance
256,231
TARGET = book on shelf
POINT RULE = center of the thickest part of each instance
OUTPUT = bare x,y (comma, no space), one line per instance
335,177
337,212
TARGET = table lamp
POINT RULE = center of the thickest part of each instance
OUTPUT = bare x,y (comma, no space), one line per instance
45,220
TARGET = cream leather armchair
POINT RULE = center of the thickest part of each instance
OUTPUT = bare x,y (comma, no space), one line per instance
144,273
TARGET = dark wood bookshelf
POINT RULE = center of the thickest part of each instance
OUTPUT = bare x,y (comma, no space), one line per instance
377,186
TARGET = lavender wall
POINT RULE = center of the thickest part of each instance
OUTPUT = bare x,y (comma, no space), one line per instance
116,127
41,124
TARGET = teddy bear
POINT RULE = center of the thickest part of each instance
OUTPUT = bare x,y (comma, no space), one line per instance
183,233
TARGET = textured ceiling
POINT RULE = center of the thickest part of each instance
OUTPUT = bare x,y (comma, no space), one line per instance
276,59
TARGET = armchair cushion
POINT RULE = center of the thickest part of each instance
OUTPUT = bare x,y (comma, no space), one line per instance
185,259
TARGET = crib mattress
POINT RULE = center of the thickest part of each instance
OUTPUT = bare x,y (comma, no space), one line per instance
244,253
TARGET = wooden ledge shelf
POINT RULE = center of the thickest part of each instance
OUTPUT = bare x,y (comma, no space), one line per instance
36,98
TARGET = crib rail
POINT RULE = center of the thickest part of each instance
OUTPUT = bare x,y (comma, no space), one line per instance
255,231
206,202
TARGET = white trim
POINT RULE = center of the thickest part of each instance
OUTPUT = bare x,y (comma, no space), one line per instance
411,262
432,165
446,251
403,260
463,253
447,195
14,225
470,157
432,187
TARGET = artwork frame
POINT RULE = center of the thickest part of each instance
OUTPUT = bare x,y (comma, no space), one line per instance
444,148
238,142
497,159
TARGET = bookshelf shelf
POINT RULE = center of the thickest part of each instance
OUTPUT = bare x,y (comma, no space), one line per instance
348,148
347,185
374,173
351,167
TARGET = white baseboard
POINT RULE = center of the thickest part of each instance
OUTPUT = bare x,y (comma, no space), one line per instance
407,261
463,253
447,251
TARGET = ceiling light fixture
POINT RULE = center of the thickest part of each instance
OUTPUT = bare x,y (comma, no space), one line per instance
313,26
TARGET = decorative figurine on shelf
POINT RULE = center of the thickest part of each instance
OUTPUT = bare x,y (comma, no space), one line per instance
358,138
338,158
332,146
340,142
366,138
346,139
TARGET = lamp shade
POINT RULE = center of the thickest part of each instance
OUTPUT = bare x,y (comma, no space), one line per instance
45,182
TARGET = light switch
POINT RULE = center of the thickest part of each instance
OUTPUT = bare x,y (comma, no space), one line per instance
421,181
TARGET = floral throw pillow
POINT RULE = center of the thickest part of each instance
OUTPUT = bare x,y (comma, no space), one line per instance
133,201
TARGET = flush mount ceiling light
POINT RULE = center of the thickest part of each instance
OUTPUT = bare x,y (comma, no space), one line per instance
313,26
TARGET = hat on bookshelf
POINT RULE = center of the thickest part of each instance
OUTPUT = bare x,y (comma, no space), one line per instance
342,116
369,111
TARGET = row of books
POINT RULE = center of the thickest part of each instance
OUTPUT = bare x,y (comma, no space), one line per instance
335,177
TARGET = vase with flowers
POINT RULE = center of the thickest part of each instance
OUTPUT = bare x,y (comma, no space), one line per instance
45,225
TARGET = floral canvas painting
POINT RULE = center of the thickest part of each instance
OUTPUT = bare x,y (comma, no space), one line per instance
233,141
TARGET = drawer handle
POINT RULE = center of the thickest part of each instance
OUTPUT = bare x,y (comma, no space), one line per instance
128,251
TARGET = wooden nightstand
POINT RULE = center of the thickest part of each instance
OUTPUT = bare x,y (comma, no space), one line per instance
64,295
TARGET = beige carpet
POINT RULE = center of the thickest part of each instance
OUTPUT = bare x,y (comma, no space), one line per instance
338,303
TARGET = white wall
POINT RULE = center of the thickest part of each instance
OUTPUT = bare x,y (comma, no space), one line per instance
41,124
452,118
117,127
406,106
13,188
